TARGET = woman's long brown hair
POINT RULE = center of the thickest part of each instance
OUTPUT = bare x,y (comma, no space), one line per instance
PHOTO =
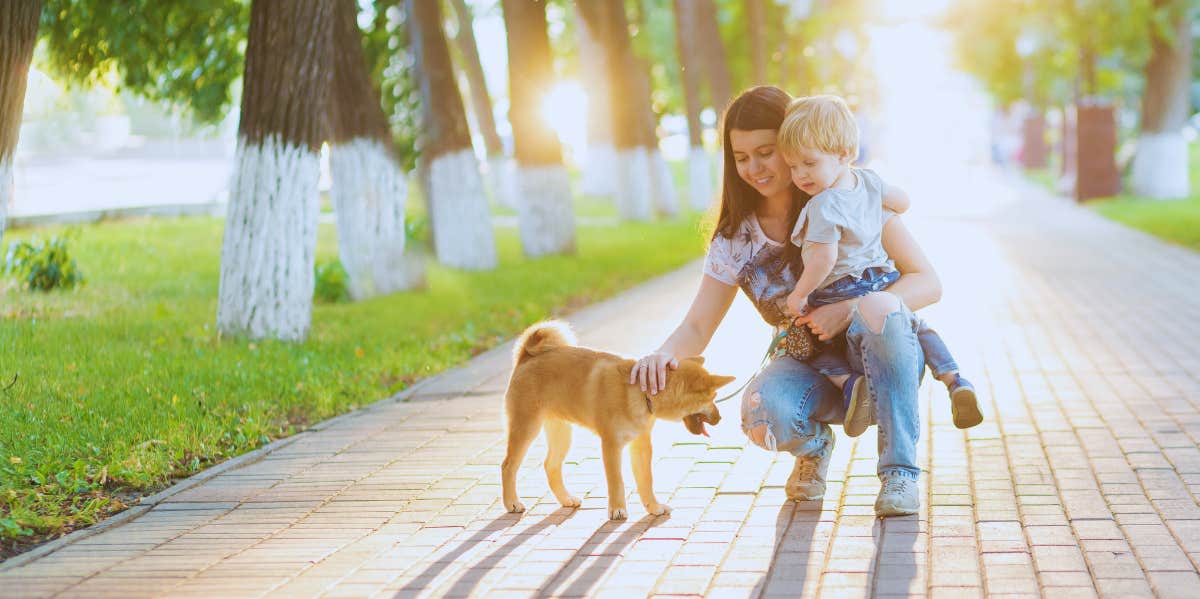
760,107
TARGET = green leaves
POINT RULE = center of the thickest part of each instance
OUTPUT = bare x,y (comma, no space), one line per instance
43,266
188,53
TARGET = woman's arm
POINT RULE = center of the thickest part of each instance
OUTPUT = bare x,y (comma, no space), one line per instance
918,286
895,199
689,338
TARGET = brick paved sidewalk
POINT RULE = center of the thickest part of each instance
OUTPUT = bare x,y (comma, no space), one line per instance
1082,481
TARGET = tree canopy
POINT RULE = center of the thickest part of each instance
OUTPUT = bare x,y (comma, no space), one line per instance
186,53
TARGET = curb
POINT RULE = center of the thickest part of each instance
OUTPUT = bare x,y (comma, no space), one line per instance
148,502
91,216
580,320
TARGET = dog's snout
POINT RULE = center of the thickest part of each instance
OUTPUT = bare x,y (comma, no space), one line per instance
713,415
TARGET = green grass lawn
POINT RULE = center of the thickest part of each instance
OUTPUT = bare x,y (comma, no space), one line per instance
124,384
1177,221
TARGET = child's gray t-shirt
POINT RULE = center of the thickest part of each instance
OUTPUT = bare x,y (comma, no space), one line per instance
851,218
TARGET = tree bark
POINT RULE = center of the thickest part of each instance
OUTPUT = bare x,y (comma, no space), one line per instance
1095,151
500,169
599,168
1160,167
369,185
634,190
544,212
267,256
1034,151
458,211
716,64
756,30
480,98
18,35
700,186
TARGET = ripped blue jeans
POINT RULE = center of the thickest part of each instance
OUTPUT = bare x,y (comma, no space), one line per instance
790,406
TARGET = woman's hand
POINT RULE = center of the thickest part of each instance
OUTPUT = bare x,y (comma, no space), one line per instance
827,322
650,372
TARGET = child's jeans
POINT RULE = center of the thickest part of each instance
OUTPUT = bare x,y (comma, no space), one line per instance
833,363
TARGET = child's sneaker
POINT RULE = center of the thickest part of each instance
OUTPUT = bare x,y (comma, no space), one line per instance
963,403
860,410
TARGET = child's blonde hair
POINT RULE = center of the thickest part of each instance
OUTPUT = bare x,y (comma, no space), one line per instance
822,123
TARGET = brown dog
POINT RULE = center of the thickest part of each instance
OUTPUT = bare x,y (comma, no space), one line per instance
554,383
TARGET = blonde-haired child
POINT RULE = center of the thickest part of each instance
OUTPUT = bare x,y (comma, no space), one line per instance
839,232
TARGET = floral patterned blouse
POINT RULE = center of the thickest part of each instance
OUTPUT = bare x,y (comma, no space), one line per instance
755,263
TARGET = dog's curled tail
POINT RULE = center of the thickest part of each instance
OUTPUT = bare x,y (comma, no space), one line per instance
540,337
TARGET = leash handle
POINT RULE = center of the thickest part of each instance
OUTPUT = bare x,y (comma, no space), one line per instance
766,358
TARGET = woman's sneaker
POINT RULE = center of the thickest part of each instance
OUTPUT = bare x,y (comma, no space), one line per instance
860,409
898,497
807,482
963,403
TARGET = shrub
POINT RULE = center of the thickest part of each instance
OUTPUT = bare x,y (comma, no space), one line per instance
43,265
330,282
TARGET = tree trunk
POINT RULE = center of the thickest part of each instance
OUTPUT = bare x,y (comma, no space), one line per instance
599,168
18,34
700,185
1034,151
716,65
480,99
756,30
267,256
633,180
1096,174
544,213
500,170
1066,179
458,211
1160,167
369,185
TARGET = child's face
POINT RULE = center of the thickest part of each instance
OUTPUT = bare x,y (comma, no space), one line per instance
814,171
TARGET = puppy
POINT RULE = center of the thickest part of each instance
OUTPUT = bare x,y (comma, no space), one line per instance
554,384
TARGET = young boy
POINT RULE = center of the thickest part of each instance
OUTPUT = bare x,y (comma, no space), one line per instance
840,231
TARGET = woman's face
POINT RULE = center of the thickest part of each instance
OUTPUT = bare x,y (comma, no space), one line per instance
758,161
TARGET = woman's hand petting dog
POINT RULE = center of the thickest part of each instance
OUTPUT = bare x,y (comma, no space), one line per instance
650,372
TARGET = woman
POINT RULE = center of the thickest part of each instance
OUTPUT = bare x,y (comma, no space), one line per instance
789,405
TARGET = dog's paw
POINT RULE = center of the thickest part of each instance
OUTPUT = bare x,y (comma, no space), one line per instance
571,501
617,513
515,507
658,509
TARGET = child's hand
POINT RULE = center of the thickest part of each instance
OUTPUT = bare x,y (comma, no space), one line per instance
797,304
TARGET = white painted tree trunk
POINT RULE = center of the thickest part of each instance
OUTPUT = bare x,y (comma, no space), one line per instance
268,253
502,180
6,196
369,192
1160,166
600,171
544,213
666,200
462,224
700,185
634,185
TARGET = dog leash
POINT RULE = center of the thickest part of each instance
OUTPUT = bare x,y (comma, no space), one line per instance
766,358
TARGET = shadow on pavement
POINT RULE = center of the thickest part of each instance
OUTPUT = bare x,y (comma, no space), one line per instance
466,583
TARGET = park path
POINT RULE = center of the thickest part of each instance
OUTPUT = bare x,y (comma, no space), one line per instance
1081,334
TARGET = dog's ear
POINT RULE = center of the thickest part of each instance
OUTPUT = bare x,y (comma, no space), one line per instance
697,359
719,381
